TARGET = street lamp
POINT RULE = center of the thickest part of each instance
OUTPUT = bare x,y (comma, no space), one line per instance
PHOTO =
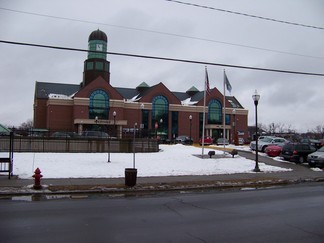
256,98
234,126
115,130
135,126
190,120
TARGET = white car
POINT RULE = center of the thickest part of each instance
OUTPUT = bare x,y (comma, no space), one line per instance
266,141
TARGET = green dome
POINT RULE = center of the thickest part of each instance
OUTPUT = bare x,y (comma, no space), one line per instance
98,35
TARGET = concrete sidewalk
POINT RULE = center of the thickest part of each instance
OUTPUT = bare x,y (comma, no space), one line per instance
299,173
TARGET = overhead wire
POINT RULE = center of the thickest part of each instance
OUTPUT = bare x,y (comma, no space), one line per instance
246,15
164,58
161,33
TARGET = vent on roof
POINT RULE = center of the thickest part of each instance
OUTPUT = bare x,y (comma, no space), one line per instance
192,91
143,86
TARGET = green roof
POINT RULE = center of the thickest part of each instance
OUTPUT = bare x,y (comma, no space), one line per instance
143,85
193,89
4,130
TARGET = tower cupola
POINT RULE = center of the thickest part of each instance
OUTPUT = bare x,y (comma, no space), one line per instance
96,63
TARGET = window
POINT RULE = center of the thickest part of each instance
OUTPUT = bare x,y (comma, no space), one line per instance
97,45
99,66
175,118
99,105
160,111
214,112
89,65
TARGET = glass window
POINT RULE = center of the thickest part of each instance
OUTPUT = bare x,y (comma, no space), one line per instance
99,66
174,129
107,67
160,111
145,118
215,112
97,45
99,105
89,65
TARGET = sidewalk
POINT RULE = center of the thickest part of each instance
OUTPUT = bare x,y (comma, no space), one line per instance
300,173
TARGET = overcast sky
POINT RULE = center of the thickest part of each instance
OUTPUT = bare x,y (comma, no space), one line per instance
168,29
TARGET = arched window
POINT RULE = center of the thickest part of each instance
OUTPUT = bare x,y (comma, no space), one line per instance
215,112
160,111
99,105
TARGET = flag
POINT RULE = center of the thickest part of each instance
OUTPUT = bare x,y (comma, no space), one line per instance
207,88
227,83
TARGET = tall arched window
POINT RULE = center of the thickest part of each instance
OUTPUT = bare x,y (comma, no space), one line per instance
99,105
215,112
160,111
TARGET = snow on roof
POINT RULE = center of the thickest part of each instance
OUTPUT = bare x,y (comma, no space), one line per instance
60,96
134,99
188,102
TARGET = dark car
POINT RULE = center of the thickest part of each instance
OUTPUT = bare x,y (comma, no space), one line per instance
315,143
297,152
95,134
65,135
184,140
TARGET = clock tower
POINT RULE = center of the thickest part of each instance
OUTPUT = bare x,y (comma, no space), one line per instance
96,64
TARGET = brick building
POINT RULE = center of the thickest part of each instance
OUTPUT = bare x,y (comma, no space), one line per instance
95,104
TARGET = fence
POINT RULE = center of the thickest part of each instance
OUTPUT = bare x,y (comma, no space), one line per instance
6,162
80,145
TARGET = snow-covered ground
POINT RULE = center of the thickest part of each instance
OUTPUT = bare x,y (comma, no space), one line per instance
172,160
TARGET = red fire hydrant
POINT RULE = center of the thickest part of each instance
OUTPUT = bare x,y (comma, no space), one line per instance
37,177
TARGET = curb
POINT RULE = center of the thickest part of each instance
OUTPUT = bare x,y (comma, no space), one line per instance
152,188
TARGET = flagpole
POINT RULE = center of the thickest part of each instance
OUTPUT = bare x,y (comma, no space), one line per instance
203,131
224,113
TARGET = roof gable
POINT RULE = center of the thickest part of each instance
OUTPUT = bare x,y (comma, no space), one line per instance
44,89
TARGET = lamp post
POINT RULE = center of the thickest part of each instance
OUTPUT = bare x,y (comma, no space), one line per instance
234,126
114,115
161,128
190,120
135,126
141,120
256,98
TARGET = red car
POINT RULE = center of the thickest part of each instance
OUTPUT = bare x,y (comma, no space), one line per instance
207,141
273,150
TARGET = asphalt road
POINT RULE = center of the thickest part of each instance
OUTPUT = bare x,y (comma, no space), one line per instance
288,214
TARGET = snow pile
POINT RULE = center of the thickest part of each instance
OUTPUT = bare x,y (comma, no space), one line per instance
172,160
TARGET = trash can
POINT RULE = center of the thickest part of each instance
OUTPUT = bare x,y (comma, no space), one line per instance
130,177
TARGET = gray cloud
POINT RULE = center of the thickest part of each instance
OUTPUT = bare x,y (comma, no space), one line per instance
285,98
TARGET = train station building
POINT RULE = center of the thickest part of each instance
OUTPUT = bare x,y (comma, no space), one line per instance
95,104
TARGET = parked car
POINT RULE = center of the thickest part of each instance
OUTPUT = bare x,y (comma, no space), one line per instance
222,141
163,139
65,135
241,141
297,152
316,159
207,141
322,142
95,134
184,140
315,143
266,141
273,150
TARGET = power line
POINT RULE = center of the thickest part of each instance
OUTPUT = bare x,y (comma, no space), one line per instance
164,58
246,15
161,33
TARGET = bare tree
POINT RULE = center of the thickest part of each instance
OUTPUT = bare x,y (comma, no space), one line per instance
319,131
26,125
